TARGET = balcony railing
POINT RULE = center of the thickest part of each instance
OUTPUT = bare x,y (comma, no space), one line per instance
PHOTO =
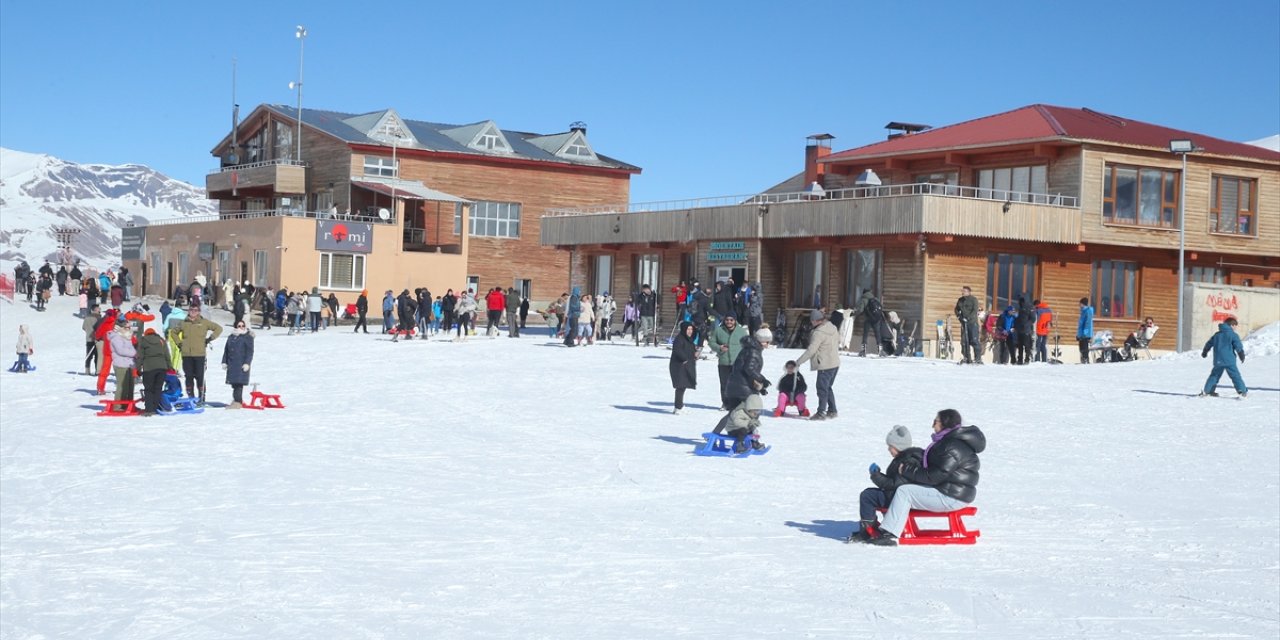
885,191
264,163
274,213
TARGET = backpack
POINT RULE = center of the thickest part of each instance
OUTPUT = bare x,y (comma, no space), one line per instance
874,312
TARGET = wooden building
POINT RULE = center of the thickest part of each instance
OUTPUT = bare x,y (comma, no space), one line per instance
418,184
1061,203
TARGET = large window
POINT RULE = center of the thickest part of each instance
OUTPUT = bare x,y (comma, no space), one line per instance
1212,275
1009,274
863,271
224,267
380,166
1141,196
601,274
155,268
808,279
493,219
260,267
1233,205
647,270
1005,182
1115,289
342,271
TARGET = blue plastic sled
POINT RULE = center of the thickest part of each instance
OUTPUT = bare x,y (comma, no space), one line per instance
721,445
30,367
180,404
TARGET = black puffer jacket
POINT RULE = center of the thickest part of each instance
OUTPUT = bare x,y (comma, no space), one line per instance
953,464
891,479
1025,323
745,379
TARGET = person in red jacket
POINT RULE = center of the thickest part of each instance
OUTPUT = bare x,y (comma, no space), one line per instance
495,304
1044,322
682,297
105,326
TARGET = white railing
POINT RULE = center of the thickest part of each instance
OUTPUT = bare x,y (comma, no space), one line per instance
885,191
264,163
273,213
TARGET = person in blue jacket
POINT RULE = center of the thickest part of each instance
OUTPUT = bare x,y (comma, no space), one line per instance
1226,347
1084,330
572,311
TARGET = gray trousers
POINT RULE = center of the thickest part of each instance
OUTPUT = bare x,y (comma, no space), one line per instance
914,496
513,324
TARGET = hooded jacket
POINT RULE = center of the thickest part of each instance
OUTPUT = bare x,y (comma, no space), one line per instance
684,360
193,333
740,419
237,353
1084,328
953,464
823,352
153,352
25,344
1226,347
745,379
122,349
721,337
575,305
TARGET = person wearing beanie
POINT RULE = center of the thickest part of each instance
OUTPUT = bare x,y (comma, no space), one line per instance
945,479
886,483
823,356
153,362
743,423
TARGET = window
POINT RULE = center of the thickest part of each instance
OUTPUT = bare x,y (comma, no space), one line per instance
342,271
863,272
260,267
647,270
997,184
1232,205
457,219
1115,289
578,148
601,274
491,139
284,140
184,268
380,166
324,200
224,267
1212,275
1009,274
1140,196
493,219
808,279
155,267
473,284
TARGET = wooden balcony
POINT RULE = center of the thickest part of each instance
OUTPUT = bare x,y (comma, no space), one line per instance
890,210
259,179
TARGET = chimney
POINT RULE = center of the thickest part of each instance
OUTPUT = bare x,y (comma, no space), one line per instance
817,146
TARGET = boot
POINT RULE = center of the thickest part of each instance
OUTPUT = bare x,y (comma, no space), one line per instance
884,539
866,530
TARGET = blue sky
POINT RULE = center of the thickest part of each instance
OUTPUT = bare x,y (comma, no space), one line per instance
710,98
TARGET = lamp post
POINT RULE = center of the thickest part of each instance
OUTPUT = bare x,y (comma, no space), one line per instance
1182,147
301,34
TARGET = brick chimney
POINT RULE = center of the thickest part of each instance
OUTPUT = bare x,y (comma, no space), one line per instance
816,146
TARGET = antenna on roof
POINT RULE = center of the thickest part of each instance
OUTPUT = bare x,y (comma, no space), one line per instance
235,118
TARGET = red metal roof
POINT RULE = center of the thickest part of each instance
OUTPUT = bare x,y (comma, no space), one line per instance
1039,122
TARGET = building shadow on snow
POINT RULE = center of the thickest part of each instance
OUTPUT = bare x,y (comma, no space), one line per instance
833,529
681,441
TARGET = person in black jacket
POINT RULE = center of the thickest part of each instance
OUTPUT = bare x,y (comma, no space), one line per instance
791,388
946,479
722,300
684,363
878,497
745,379
406,307
1024,328
447,306
362,310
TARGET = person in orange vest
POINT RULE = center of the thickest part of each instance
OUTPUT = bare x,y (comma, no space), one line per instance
1044,322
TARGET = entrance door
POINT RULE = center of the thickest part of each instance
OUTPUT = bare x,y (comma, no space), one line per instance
524,287
244,272
723,274
473,283
169,279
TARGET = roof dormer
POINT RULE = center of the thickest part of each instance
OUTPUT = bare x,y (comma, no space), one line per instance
571,145
386,127
481,136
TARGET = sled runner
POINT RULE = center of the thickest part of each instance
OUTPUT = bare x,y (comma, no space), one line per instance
721,445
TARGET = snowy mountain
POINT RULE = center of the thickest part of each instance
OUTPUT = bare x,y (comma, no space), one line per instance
1269,142
40,192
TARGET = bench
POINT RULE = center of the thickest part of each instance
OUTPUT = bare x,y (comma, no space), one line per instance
259,400
119,408
955,533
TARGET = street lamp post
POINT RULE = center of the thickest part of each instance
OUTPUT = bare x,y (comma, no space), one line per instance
1182,148
301,34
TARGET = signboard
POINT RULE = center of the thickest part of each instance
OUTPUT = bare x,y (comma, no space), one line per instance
351,237
728,246
133,241
204,250
727,256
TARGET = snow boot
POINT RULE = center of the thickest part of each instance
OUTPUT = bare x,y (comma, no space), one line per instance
865,531
884,539
739,446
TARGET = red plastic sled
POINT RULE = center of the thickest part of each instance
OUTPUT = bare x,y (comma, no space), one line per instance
119,408
955,533
259,400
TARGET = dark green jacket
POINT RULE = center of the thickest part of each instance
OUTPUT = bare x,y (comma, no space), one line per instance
153,353
967,309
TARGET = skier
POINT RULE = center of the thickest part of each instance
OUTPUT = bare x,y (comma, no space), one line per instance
880,496
237,356
25,349
684,364
966,312
1226,347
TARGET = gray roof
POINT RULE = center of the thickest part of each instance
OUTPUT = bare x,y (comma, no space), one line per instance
434,136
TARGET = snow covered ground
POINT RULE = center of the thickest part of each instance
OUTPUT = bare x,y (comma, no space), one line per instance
504,488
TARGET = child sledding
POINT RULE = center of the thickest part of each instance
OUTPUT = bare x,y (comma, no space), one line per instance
742,392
